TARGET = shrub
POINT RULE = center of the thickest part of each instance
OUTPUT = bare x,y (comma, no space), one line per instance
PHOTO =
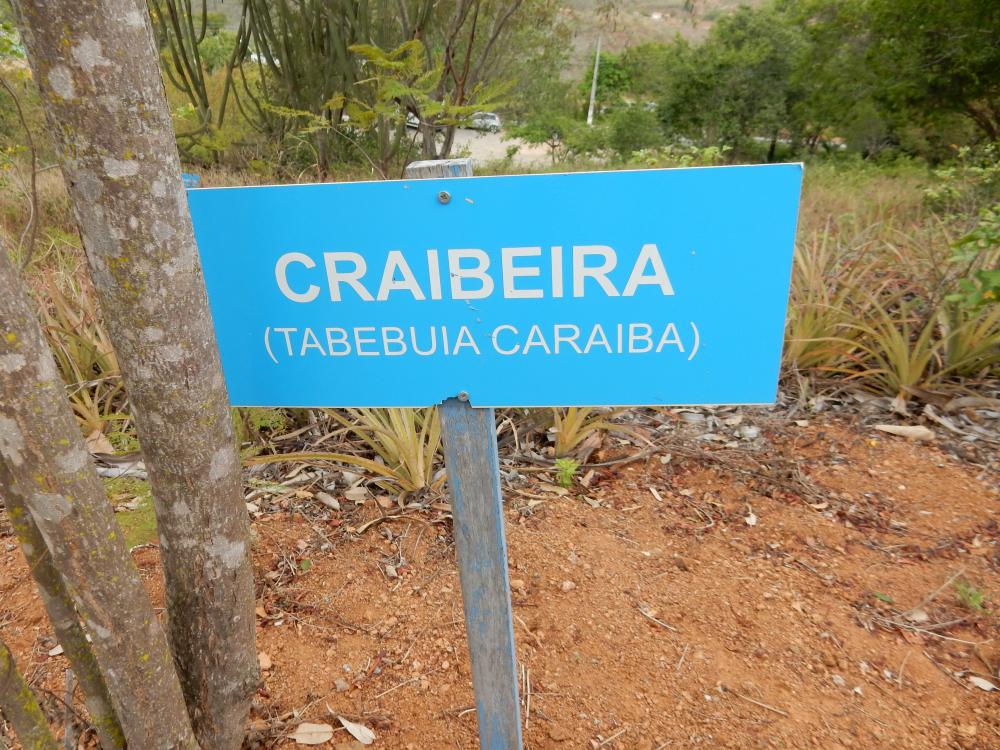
215,50
635,129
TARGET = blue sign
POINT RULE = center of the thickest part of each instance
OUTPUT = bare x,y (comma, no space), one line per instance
608,288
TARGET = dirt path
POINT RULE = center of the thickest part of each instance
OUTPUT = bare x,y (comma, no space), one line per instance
491,147
667,605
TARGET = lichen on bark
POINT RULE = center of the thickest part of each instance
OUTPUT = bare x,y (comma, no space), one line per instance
45,470
21,708
101,89
66,624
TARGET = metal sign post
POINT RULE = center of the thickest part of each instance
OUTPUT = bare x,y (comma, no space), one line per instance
470,453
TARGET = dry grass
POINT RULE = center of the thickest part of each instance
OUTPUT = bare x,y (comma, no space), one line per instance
869,298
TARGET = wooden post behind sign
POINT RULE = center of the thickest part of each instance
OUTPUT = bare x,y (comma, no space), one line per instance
470,450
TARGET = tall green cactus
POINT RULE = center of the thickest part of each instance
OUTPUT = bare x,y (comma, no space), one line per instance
295,64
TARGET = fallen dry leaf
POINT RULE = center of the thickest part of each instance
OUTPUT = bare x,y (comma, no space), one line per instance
547,487
982,684
973,402
264,660
912,432
97,442
358,731
356,494
312,734
328,500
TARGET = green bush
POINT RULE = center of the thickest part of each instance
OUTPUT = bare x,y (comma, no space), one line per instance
979,254
216,49
613,81
587,140
635,129
968,183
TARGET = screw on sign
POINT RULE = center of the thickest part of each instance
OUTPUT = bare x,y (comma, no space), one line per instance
654,287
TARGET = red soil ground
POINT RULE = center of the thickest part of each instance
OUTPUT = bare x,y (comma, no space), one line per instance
659,618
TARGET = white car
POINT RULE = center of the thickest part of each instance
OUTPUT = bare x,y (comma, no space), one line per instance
414,124
488,121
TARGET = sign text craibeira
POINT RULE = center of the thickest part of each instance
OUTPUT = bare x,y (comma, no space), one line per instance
469,274
614,288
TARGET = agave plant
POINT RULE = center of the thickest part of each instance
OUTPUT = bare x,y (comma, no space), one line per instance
829,282
972,340
896,349
406,443
573,425
82,351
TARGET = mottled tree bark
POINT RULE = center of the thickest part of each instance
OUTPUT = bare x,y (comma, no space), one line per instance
45,468
96,66
66,624
19,705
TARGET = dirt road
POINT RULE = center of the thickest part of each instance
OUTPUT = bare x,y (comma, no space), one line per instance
490,147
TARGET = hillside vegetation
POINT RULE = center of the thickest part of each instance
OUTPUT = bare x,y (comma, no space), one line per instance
638,22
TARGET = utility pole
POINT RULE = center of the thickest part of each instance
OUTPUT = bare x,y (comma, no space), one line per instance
593,85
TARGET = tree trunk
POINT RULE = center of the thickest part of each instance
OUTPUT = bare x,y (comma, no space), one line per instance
19,705
428,141
66,624
46,469
96,66
322,154
449,140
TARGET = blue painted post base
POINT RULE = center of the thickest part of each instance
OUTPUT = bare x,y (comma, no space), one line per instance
470,449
